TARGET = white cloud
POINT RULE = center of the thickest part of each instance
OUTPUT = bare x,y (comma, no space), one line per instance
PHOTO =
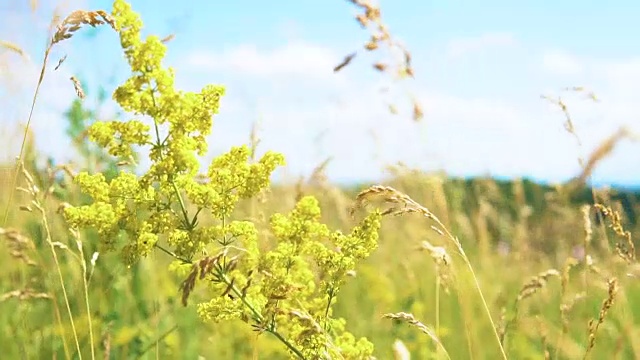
461,134
297,58
463,46
561,63
621,80
54,97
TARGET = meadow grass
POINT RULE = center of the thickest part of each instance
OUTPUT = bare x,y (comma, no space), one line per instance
464,269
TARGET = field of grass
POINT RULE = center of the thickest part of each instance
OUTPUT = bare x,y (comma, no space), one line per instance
462,268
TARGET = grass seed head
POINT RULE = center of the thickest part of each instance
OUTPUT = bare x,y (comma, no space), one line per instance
536,283
77,87
76,19
626,249
23,295
594,324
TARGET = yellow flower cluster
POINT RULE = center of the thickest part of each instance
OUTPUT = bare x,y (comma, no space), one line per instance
287,291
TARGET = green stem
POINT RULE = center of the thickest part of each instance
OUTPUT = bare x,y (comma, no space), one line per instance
45,223
172,254
287,344
160,143
258,317
477,285
153,343
19,160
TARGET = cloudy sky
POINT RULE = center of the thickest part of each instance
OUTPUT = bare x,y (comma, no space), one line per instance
480,69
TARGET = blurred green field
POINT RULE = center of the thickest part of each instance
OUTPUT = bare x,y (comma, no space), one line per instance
510,230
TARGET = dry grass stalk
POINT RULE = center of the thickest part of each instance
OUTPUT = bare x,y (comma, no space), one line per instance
586,219
530,288
626,250
64,30
402,204
411,320
19,245
569,264
23,295
568,124
602,151
591,265
544,334
594,324
318,175
559,102
442,261
588,234
371,18
106,345
566,307
37,201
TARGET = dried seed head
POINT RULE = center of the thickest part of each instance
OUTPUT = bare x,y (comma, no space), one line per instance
371,45
600,153
437,253
443,263
371,19
417,111
168,38
76,19
25,294
594,324
536,283
411,320
380,66
564,280
14,48
347,59
62,59
18,244
77,87
362,20
626,249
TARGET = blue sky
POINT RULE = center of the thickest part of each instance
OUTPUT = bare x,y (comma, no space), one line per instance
480,70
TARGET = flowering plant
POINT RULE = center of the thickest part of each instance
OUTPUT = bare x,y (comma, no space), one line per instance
287,290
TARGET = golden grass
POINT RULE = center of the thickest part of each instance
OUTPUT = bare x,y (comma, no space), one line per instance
594,324
411,320
403,204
